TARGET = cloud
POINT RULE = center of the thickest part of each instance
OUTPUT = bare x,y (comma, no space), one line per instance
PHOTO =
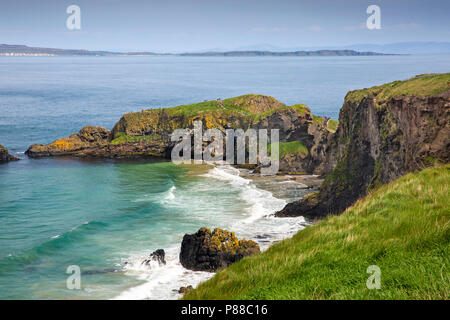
404,26
268,30
400,27
315,28
355,27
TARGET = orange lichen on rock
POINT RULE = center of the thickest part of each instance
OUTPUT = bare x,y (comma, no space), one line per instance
209,251
63,144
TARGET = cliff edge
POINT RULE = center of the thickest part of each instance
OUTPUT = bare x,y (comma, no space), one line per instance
384,132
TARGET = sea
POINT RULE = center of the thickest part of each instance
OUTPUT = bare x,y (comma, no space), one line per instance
106,217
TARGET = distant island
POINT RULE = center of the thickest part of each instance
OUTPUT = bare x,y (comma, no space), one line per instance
23,50
285,54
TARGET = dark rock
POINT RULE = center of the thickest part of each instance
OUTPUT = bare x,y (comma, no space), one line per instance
304,207
263,236
210,251
295,125
5,156
183,290
158,256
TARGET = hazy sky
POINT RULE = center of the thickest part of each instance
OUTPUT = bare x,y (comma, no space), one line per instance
190,25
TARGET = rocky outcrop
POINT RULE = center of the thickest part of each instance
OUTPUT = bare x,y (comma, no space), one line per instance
157,256
183,290
147,133
5,156
88,139
384,132
97,142
210,251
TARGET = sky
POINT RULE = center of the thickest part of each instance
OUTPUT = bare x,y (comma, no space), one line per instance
198,25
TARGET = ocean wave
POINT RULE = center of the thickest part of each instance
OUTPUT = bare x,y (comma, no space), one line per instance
262,202
162,282
164,196
259,224
169,195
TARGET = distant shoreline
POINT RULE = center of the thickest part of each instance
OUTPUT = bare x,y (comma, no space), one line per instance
22,50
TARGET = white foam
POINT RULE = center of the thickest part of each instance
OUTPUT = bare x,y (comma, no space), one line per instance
227,173
258,223
165,196
262,202
170,195
161,282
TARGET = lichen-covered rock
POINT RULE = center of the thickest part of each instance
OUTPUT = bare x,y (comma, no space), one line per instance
88,138
210,251
384,132
5,156
98,135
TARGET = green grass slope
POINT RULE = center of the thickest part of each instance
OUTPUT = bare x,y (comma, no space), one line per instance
293,147
420,86
247,105
402,227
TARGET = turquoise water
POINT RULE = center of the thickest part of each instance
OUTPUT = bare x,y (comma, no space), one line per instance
100,214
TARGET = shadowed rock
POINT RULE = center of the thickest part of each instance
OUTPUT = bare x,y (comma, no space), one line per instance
156,256
210,251
5,156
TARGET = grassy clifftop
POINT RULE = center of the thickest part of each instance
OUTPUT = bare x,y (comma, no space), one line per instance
420,86
236,112
247,104
402,227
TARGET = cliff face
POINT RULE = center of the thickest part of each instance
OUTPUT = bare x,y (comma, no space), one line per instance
147,133
5,156
384,132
